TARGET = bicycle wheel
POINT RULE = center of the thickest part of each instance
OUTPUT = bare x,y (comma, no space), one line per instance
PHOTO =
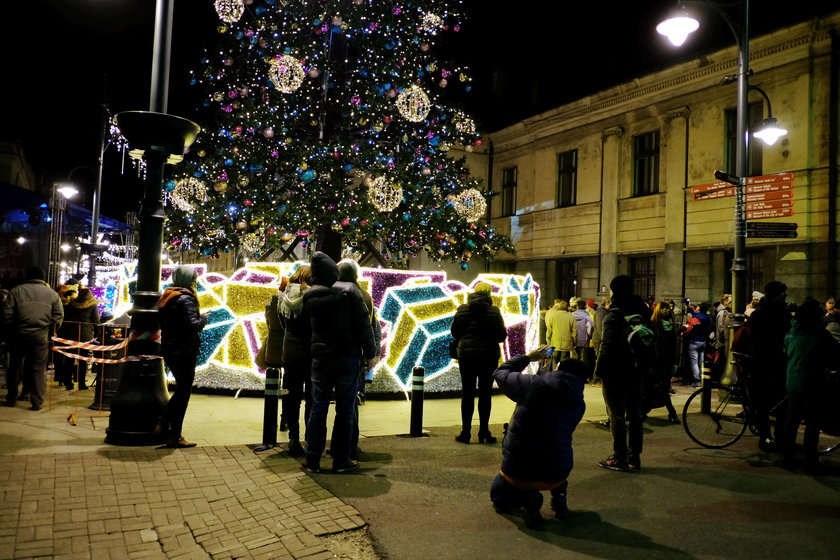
718,422
827,443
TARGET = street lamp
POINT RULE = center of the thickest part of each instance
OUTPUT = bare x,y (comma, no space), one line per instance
58,204
677,30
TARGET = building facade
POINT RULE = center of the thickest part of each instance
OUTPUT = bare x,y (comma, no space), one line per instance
605,185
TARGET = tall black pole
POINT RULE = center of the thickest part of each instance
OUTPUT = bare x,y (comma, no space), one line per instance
97,195
159,98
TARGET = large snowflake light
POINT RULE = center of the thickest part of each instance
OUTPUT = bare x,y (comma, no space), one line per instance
470,205
385,195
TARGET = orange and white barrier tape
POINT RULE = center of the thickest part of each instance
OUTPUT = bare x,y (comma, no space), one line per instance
75,344
91,359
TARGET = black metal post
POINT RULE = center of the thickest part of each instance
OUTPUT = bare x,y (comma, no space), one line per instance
417,387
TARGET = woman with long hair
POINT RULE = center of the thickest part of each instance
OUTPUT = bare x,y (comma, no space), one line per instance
665,330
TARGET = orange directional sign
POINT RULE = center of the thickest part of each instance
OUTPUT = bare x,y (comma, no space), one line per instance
767,204
773,195
769,213
754,185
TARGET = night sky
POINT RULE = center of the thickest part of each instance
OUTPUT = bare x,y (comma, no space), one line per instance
64,57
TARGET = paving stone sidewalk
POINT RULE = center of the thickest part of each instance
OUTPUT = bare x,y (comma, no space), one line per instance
146,503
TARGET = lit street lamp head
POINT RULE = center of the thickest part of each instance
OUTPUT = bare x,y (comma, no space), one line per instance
770,131
677,28
67,190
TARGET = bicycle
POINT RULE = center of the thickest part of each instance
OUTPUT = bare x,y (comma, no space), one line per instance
716,416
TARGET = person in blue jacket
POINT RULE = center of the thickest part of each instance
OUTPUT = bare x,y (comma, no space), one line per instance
537,448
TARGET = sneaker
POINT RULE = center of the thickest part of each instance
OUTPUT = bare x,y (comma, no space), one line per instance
295,448
312,465
634,463
613,464
345,466
180,443
767,445
533,519
560,507
35,407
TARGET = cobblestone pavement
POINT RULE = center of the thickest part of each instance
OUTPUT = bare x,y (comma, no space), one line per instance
214,502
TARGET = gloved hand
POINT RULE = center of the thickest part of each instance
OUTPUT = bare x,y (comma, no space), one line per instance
538,353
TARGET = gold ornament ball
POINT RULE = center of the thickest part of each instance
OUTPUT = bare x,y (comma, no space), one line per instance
230,10
221,186
241,224
286,73
413,104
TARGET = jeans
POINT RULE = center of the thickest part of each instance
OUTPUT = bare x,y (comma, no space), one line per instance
696,350
296,380
623,396
505,496
183,368
339,374
474,369
27,361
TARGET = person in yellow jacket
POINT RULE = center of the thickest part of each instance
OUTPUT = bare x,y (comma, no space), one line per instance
560,333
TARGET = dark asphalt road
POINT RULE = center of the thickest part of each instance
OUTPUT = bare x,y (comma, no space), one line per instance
428,498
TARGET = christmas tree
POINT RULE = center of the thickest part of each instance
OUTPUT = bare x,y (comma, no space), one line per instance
329,117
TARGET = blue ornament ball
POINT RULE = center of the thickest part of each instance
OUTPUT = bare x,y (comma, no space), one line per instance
464,266
169,185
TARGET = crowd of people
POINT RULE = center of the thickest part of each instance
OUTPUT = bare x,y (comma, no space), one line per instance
323,331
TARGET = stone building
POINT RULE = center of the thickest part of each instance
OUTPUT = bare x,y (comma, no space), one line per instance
603,185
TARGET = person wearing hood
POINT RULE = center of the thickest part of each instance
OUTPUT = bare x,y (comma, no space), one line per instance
180,326
537,448
479,328
29,312
297,355
81,315
348,271
341,338
810,351
622,380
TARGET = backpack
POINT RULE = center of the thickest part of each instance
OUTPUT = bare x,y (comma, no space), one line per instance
642,341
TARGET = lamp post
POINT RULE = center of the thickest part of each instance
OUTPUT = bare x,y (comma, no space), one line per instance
677,30
58,203
159,139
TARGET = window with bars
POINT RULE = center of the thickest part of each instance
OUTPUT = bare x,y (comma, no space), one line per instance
755,272
509,177
567,178
643,273
567,273
646,164
754,151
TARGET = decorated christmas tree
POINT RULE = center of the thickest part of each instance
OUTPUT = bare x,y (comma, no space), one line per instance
331,117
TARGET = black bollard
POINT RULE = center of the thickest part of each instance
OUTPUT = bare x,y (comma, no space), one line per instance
706,397
417,380
272,396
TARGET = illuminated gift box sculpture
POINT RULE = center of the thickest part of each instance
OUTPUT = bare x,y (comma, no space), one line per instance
415,309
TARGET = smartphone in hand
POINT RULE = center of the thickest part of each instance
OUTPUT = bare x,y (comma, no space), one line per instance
549,351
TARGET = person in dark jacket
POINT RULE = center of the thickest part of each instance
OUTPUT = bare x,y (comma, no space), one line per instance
810,351
64,365
29,312
297,356
622,379
537,448
348,271
479,328
81,315
658,385
767,371
180,326
697,338
270,355
341,335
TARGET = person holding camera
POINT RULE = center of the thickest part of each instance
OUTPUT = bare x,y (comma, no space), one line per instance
537,448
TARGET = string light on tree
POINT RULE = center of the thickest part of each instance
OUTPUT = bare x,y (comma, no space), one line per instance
385,195
414,104
470,205
187,193
286,73
230,10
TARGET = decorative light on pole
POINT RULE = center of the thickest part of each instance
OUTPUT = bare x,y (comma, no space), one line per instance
677,30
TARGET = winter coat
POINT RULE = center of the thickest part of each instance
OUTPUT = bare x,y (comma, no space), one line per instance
809,353
274,338
81,316
723,322
615,355
700,331
768,326
583,327
297,326
560,331
180,323
31,308
598,326
549,406
478,327
340,320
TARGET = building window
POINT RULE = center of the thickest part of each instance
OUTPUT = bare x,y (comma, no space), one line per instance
755,273
509,191
643,273
754,152
646,164
566,279
566,178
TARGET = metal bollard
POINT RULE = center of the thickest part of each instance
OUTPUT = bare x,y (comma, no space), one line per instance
272,394
706,383
417,381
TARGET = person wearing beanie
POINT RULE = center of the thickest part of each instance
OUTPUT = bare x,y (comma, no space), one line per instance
341,338
766,373
621,377
478,328
180,326
29,314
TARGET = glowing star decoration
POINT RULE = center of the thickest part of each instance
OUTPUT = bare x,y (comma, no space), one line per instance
286,74
414,104
385,195
470,205
187,193
230,10
415,310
